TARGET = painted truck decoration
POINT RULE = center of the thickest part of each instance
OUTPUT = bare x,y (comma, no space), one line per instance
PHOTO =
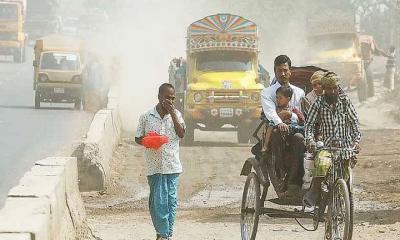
218,85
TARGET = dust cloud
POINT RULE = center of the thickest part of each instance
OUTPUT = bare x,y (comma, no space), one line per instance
148,34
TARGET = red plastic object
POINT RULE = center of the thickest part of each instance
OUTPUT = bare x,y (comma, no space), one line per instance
154,141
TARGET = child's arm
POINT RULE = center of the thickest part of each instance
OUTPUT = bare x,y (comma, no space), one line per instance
300,115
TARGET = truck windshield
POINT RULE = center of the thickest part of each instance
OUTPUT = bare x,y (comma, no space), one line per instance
224,61
60,61
329,42
8,11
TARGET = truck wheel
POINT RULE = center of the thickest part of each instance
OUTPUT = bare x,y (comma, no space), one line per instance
37,100
362,90
370,83
243,133
18,56
23,55
78,104
188,140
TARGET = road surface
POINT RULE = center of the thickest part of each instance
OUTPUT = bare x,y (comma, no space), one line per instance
28,134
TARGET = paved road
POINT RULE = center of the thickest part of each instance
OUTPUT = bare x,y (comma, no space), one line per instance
28,134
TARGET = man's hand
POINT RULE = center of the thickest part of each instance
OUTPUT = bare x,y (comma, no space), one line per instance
283,128
169,106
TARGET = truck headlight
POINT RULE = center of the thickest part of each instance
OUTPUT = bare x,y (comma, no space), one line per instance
197,97
43,77
255,97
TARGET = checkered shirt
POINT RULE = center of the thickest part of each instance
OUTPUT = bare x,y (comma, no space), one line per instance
342,122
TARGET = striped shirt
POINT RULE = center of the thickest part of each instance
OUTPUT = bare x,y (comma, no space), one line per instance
341,122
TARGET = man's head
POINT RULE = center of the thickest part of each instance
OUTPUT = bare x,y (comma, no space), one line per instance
330,87
283,96
316,82
282,65
166,92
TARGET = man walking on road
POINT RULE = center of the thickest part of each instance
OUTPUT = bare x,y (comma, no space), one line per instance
163,164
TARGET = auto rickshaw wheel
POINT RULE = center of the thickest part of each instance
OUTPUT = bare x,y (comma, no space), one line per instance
250,208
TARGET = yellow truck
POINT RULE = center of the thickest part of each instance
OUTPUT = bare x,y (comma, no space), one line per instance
59,70
333,44
13,39
219,84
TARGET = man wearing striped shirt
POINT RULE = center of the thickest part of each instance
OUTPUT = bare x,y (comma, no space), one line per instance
337,118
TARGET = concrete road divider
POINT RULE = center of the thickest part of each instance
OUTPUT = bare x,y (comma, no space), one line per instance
98,147
46,204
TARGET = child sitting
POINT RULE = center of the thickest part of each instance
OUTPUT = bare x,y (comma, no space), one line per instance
291,116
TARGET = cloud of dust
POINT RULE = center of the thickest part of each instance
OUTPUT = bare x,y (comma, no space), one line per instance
146,35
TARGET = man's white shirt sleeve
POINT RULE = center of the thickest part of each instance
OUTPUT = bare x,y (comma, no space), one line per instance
140,130
269,105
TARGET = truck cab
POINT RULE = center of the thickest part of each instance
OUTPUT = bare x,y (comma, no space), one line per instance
333,44
59,70
12,32
222,84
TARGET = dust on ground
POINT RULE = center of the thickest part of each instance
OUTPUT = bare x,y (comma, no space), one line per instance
211,188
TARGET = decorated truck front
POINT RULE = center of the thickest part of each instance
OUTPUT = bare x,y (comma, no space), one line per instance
222,89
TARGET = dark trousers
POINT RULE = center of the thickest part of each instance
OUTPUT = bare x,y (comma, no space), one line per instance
289,151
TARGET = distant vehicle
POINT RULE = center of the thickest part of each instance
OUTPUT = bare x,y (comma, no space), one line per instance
93,21
70,26
13,38
59,70
43,18
333,44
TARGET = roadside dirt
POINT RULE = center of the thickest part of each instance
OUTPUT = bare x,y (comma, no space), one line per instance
211,188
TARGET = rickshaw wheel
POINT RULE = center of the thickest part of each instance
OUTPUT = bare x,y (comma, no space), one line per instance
339,224
250,209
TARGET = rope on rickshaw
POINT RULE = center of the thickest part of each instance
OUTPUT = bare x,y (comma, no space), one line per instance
302,226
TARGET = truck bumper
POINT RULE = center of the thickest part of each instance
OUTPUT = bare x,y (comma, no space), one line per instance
59,92
216,117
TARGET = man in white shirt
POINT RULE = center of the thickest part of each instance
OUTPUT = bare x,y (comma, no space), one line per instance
281,133
163,165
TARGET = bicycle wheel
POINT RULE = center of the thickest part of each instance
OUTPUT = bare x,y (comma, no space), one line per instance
250,209
338,224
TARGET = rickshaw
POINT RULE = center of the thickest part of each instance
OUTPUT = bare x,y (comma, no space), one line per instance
335,206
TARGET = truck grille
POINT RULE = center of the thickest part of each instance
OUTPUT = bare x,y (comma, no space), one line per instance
225,96
8,36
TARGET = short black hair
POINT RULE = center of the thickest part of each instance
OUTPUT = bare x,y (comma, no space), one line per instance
285,91
164,86
282,59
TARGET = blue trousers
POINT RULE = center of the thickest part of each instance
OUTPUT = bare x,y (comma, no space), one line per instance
163,202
